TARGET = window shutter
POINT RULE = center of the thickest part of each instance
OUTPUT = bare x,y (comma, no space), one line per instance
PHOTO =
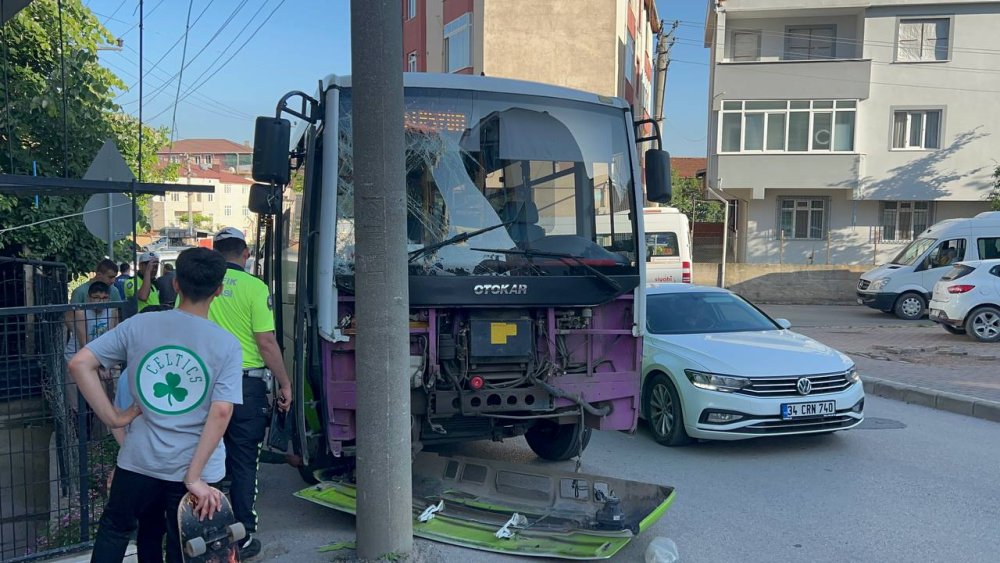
746,46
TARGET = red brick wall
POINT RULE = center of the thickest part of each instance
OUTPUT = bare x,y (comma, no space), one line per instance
415,35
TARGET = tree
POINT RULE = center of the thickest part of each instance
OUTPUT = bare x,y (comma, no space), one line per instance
34,119
993,197
688,198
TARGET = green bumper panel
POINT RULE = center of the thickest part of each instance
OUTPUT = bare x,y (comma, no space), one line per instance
566,515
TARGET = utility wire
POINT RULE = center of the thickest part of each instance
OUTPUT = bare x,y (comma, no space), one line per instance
115,12
6,92
219,108
62,73
180,75
195,88
61,217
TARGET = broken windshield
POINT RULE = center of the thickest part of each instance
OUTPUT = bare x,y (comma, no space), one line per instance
515,172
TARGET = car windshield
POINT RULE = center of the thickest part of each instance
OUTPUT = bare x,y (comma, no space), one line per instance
491,177
703,313
913,251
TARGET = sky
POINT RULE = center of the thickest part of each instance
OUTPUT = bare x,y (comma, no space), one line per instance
238,66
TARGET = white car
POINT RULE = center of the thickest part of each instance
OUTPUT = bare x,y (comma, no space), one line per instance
716,367
967,300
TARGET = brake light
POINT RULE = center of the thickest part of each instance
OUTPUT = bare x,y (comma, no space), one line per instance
476,382
686,272
960,288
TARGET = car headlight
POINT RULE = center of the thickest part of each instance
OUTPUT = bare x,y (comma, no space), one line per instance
879,284
852,375
714,382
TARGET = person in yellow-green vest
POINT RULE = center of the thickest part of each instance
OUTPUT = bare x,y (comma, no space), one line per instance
245,310
143,287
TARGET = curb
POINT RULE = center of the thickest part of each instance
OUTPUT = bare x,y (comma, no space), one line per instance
940,400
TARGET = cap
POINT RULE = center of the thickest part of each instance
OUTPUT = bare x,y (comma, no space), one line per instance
148,257
229,232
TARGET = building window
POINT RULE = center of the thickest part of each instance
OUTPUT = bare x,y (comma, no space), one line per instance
629,58
197,159
411,62
246,212
923,40
208,159
229,160
802,218
458,43
411,9
227,210
904,220
916,129
174,196
746,46
211,198
227,189
810,42
787,126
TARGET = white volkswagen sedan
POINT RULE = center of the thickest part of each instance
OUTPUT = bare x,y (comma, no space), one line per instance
716,367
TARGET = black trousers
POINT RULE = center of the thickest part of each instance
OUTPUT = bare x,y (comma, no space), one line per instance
136,497
243,440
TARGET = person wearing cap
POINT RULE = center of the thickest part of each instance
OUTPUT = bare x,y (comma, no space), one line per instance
146,294
245,309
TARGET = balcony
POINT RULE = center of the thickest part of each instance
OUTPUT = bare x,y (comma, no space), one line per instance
798,171
840,79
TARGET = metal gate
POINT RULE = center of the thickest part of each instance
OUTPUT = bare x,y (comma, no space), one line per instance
55,456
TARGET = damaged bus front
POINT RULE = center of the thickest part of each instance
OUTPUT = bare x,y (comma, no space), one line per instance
525,263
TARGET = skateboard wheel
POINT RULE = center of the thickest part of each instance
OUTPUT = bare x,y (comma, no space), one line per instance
195,547
237,531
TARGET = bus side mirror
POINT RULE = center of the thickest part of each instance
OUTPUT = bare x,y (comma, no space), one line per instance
270,150
658,186
265,199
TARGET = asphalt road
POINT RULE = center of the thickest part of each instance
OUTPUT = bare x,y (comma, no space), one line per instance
913,484
802,316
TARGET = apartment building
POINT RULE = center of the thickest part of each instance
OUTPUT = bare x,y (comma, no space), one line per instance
600,46
840,129
220,154
226,207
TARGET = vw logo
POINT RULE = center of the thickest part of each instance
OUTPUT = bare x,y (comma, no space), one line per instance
804,386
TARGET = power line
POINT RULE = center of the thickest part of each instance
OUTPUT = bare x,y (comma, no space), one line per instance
252,35
115,12
180,77
204,47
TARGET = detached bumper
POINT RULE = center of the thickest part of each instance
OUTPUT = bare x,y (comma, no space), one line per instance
880,301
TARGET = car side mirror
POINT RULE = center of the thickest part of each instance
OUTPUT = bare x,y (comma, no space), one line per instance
658,186
270,150
264,199
785,324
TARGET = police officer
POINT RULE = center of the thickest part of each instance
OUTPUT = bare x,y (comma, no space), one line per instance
144,289
245,310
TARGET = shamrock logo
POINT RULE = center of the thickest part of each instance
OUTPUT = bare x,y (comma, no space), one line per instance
171,389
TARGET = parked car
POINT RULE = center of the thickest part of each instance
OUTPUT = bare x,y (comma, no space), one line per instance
717,367
904,285
967,300
668,245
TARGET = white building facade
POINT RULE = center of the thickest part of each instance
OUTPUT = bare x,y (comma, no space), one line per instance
843,129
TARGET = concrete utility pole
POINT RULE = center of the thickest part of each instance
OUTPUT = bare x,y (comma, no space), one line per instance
385,519
664,43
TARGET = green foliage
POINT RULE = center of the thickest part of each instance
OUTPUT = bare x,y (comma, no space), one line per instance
36,124
993,197
689,199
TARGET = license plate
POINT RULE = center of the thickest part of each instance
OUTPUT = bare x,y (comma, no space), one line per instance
801,410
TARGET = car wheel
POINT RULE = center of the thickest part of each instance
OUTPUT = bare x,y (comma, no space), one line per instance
910,306
663,412
953,329
983,324
557,442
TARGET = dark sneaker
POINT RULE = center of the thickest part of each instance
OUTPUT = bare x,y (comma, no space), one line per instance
250,547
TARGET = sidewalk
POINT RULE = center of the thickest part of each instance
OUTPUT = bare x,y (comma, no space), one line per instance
922,364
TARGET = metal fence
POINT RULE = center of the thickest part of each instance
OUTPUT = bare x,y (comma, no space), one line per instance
55,456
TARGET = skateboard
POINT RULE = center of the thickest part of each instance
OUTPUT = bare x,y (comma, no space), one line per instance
213,540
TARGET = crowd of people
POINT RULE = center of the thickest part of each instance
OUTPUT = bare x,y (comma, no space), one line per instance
199,362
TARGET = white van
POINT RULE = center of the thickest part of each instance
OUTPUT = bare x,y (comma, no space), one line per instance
668,245
904,285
